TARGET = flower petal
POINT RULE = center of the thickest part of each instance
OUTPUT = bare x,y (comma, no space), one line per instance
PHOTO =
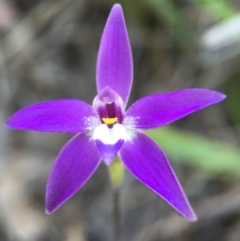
109,140
147,162
161,109
75,164
114,63
108,151
67,116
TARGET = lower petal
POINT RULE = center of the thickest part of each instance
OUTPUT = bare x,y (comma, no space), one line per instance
109,140
109,152
75,164
147,162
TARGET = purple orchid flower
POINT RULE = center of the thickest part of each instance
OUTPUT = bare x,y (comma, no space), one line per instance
105,129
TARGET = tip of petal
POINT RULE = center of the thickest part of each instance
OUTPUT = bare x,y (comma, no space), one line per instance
49,208
117,6
193,218
48,212
219,96
223,97
9,124
116,11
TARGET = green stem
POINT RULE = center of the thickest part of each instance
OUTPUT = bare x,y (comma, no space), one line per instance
116,215
116,171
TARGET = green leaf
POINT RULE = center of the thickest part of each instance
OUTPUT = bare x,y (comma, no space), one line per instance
220,9
214,156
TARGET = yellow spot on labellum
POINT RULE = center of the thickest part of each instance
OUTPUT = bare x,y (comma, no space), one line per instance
109,121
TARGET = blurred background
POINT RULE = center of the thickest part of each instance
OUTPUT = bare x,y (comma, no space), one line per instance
48,50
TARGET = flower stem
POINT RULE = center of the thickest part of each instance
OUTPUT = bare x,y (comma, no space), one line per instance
116,171
116,215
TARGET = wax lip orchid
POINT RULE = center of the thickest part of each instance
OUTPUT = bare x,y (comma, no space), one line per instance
106,129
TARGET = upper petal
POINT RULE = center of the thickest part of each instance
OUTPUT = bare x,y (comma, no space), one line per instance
160,109
68,116
74,165
114,63
147,162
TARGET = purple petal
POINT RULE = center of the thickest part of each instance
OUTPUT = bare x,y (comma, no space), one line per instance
109,152
67,116
146,161
109,140
75,164
114,63
161,109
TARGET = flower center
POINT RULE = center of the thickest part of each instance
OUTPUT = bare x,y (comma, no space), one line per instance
110,121
110,135
109,106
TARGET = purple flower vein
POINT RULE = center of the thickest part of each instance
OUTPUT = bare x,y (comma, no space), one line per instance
106,129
